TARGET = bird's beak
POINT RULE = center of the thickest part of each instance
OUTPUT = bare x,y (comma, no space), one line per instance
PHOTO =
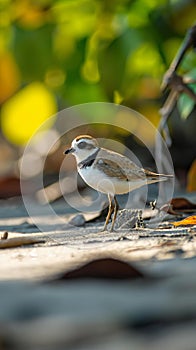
69,150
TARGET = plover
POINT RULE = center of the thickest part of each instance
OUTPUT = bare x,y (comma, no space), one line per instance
109,172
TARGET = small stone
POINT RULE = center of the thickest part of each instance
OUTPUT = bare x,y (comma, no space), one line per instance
100,161
126,218
178,251
78,220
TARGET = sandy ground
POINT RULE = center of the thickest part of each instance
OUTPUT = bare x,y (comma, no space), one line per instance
157,311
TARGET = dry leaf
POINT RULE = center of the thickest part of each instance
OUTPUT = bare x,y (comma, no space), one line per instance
178,206
182,204
191,179
105,268
190,220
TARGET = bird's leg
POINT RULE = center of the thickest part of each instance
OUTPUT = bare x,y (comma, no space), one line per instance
110,210
116,207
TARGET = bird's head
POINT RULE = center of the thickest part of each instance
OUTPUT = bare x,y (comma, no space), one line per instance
82,147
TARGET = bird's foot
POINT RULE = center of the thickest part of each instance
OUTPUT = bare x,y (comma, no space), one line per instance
106,230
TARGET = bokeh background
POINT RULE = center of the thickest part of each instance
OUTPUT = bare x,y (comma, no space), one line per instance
56,54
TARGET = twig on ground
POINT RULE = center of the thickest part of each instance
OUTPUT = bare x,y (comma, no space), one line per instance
19,241
4,236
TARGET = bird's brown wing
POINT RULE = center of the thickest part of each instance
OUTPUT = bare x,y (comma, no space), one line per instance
115,165
111,169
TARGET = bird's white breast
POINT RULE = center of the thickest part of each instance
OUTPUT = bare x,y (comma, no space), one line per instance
105,184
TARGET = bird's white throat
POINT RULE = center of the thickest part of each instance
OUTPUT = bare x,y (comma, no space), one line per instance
82,154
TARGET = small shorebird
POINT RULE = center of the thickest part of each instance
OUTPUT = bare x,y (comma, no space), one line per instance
109,172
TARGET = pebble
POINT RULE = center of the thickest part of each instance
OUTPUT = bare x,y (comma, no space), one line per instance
126,218
78,220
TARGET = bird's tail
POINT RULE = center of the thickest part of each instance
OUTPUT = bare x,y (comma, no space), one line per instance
157,177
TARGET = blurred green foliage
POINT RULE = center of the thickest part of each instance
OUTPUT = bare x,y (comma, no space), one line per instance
92,50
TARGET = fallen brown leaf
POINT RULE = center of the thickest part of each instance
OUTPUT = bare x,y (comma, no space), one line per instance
182,204
178,206
191,183
105,268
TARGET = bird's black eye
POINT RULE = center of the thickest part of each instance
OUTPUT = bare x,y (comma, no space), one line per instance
82,144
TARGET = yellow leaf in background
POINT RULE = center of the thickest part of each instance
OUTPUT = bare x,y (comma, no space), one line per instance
117,97
191,179
28,13
9,76
151,112
191,220
24,113
90,71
